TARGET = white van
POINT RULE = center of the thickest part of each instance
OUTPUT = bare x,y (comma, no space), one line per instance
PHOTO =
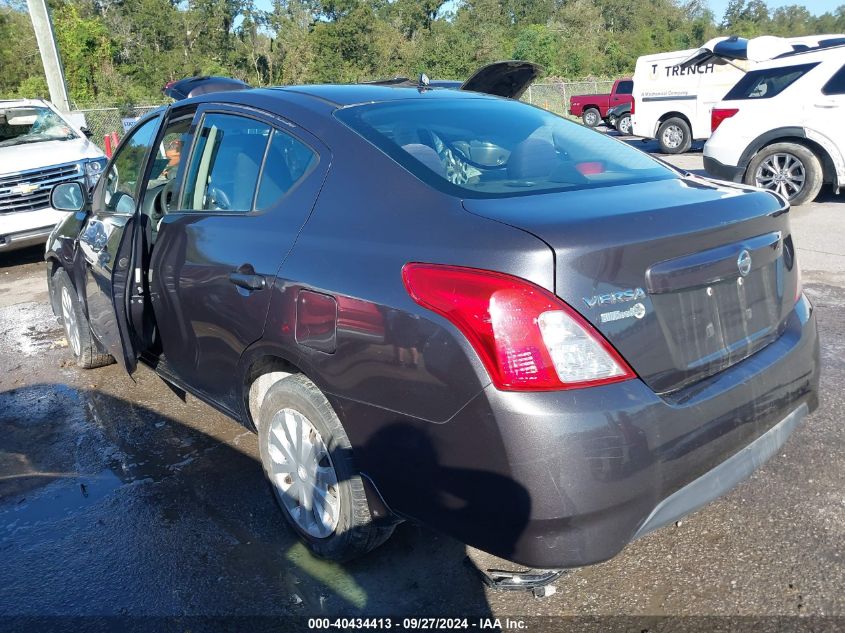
675,92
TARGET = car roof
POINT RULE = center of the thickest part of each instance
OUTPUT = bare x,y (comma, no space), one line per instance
353,94
827,54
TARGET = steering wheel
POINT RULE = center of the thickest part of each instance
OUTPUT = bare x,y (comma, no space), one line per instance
217,199
162,200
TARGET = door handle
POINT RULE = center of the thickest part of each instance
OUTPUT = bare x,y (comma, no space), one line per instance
248,281
827,105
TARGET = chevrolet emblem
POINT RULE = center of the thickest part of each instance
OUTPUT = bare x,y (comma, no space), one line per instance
24,188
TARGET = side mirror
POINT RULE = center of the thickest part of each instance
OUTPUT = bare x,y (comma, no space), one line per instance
88,133
67,196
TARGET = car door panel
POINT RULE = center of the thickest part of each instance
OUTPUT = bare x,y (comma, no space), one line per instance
212,276
104,245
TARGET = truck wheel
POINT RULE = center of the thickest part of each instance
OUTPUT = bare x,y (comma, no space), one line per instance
307,457
591,117
623,124
78,331
674,136
792,170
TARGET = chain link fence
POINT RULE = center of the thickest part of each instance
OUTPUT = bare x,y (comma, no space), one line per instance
103,121
553,96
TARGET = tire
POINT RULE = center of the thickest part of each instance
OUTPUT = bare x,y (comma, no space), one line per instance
794,160
623,124
591,117
77,330
674,136
348,534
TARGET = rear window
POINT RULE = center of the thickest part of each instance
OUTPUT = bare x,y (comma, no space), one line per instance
482,148
625,88
836,84
768,82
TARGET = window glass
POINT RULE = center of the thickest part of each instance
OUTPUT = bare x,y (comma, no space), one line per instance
625,88
226,161
768,82
288,160
836,85
161,193
497,148
21,125
120,191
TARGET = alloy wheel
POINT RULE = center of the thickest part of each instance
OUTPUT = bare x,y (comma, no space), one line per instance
624,125
302,473
783,173
673,136
70,322
591,119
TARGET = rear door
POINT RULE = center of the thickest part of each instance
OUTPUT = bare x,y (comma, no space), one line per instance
250,183
825,113
104,261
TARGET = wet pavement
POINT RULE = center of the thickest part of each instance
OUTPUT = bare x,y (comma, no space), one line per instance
117,498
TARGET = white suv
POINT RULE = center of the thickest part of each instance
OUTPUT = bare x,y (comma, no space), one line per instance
781,126
39,148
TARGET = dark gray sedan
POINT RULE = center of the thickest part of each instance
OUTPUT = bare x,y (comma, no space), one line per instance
448,307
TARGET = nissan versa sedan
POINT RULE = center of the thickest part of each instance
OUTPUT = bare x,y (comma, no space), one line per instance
448,307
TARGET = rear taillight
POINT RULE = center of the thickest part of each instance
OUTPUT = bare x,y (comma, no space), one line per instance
717,115
633,106
527,338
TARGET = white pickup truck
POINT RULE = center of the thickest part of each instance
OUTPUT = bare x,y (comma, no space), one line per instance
39,147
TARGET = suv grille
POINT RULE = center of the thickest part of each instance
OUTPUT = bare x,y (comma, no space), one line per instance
30,190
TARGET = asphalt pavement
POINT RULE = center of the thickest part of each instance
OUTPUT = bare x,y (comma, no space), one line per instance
116,498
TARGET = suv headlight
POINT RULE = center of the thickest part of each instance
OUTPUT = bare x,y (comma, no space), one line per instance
93,169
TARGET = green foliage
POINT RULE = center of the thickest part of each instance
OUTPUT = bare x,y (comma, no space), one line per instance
124,51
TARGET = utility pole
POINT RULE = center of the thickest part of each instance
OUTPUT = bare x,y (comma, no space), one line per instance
46,38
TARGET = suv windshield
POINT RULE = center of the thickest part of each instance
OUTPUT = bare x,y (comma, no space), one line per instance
32,124
767,82
480,148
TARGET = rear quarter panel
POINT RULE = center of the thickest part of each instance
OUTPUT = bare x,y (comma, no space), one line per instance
371,218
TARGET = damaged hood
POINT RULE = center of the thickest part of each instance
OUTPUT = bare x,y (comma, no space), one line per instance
28,156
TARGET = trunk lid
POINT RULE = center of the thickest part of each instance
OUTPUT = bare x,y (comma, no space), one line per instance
684,277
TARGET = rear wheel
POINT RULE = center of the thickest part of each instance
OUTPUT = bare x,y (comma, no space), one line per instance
307,458
674,136
78,332
792,170
591,117
623,124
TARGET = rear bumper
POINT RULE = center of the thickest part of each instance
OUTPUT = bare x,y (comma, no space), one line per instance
566,479
723,172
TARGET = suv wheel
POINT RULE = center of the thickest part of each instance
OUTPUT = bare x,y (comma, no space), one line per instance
790,169
77,330
307,458
623,124
591,117
674,136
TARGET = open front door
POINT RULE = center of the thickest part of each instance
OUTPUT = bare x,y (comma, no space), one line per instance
107,261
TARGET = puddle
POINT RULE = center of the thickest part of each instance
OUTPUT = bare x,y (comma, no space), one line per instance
28,329
59,499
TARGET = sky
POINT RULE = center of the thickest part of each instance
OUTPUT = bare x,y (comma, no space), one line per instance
816,7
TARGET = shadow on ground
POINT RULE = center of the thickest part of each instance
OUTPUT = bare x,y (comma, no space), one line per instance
113,508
